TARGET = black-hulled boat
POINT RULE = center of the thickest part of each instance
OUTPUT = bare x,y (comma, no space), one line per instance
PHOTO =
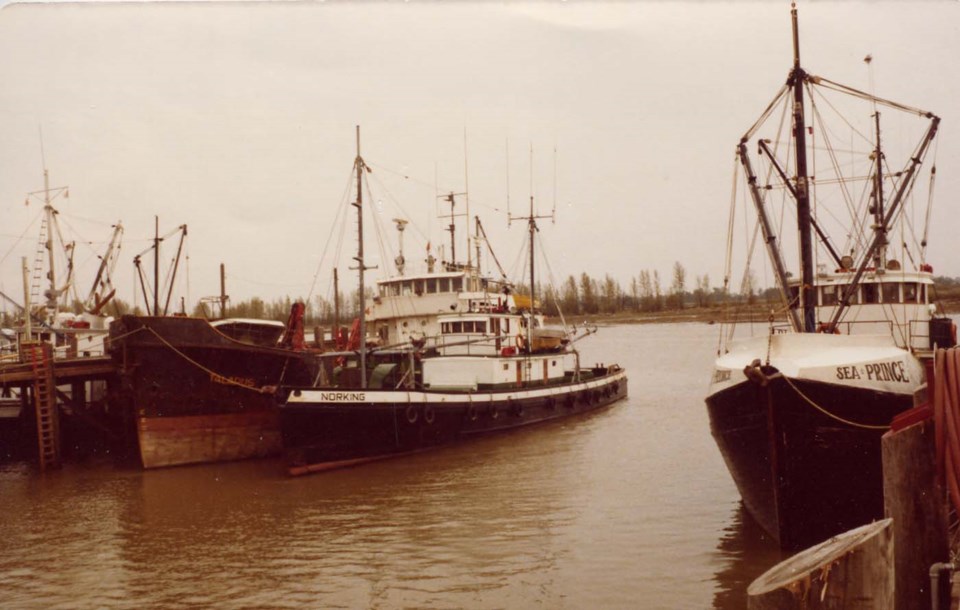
798,409
205,392
482,362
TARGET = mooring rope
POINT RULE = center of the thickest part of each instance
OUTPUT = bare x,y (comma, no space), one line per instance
828,413
221,378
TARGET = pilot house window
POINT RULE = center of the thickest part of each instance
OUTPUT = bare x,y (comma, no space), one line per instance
891,293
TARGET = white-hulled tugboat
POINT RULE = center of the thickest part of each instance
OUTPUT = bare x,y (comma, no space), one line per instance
798,411
459,355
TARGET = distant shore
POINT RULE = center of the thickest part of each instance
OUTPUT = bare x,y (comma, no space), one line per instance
706,315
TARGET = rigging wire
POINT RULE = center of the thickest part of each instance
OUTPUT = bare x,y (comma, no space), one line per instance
22,235
333,226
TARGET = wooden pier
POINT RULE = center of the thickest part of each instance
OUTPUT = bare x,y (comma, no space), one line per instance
50,389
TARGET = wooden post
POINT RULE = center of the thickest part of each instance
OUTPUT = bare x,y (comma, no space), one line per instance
851,570
916,501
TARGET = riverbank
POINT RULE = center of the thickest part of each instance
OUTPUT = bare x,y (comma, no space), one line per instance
950,305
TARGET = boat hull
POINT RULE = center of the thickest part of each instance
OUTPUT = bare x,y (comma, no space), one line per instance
172,441
323,430
802,474
198,396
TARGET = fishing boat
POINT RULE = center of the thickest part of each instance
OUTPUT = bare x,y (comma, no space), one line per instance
56,326
453,355
797,410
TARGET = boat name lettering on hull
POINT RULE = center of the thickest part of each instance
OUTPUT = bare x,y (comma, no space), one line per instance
877,371
233,380
343,396
721,375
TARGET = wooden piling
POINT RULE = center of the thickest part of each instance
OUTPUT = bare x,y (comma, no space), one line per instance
914,497
851,570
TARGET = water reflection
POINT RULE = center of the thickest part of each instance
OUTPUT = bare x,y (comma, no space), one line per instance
630,507
745,552
410,532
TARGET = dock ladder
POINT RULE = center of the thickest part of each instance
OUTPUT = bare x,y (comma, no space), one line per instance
40,356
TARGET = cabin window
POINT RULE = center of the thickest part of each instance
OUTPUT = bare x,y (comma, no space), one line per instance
923,293
870,294
443,284
456,284
910,293
828,295
480,326
405,289
432,285
457,327
794,297
418,287
891,292
445,328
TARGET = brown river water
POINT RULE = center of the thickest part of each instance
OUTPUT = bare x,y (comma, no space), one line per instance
630,507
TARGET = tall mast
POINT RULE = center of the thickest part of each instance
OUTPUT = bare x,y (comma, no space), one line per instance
359,166
52,296
156,265
796,81
880,228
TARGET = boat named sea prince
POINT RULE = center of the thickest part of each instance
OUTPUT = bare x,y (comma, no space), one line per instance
798,411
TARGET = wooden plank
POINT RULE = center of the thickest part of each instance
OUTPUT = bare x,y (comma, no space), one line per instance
852,570
916,501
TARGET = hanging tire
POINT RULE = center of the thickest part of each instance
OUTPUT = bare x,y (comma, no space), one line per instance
472,412
494,412
412,414
517,409
429,415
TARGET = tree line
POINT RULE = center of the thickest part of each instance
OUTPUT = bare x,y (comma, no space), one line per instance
647,292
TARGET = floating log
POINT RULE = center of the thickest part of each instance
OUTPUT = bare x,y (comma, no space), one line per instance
914,497
851,570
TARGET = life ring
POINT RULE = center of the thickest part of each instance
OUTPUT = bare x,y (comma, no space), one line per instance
412,414
472,412
521,342
429,415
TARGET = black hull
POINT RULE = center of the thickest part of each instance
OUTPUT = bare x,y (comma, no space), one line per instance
325,435
804,476
184,371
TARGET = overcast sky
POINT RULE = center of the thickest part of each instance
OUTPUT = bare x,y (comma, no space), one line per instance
238,120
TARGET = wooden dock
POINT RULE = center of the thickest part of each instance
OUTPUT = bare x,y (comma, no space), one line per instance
48,389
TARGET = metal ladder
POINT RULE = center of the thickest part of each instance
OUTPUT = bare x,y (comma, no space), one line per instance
45,404
37,271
